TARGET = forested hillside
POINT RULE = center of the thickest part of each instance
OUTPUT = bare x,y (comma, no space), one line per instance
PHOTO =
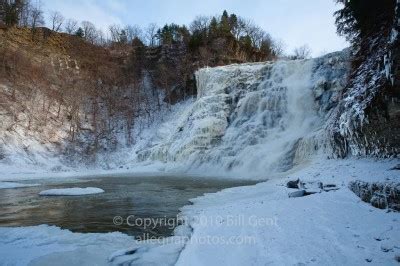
75,92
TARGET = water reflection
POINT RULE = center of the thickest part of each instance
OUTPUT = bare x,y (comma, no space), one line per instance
143,197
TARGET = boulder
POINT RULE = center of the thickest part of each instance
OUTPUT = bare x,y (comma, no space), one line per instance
381,195
329,187
297,193
379,201
293,183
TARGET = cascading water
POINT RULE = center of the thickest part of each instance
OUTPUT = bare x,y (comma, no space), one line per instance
266,121
254,118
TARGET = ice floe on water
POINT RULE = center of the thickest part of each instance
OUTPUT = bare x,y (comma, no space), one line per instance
6,185
76,191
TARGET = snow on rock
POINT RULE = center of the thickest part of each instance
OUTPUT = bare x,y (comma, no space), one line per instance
357,127
76,191
5,185
389,59
297,193
356,130
380,194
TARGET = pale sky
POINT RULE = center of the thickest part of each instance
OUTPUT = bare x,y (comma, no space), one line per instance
294,22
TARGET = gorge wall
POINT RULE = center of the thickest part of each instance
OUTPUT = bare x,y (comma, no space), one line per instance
249,118
367,121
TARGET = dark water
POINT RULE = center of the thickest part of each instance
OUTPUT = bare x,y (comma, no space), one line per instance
135,197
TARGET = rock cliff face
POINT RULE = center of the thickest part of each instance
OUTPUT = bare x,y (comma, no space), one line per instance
63,98
367,121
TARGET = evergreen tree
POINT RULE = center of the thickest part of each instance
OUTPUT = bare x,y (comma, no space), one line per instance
225,27
172,34
10,11
359,18
213,31
225,15
123,38
165,35
196,40
80,33
246,43
233,22
184,34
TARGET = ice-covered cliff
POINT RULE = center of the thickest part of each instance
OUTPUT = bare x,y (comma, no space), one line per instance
255,118
367,120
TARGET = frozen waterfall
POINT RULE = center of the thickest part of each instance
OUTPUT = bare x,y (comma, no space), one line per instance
253,118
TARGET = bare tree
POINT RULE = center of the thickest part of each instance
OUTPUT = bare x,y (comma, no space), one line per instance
248,27
278,46
262,38
57,19
25,14
100,38
200,24
89,31
256,34
36,17
115,32
71,26
151,34
239,30
205,55
302,52
133,32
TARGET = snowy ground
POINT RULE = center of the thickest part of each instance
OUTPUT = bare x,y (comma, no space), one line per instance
330,228
255,225
24,245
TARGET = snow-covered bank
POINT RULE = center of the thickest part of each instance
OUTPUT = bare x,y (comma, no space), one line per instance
50,245
328,228
254,225
24,245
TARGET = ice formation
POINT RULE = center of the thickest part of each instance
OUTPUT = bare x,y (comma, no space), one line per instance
253,118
